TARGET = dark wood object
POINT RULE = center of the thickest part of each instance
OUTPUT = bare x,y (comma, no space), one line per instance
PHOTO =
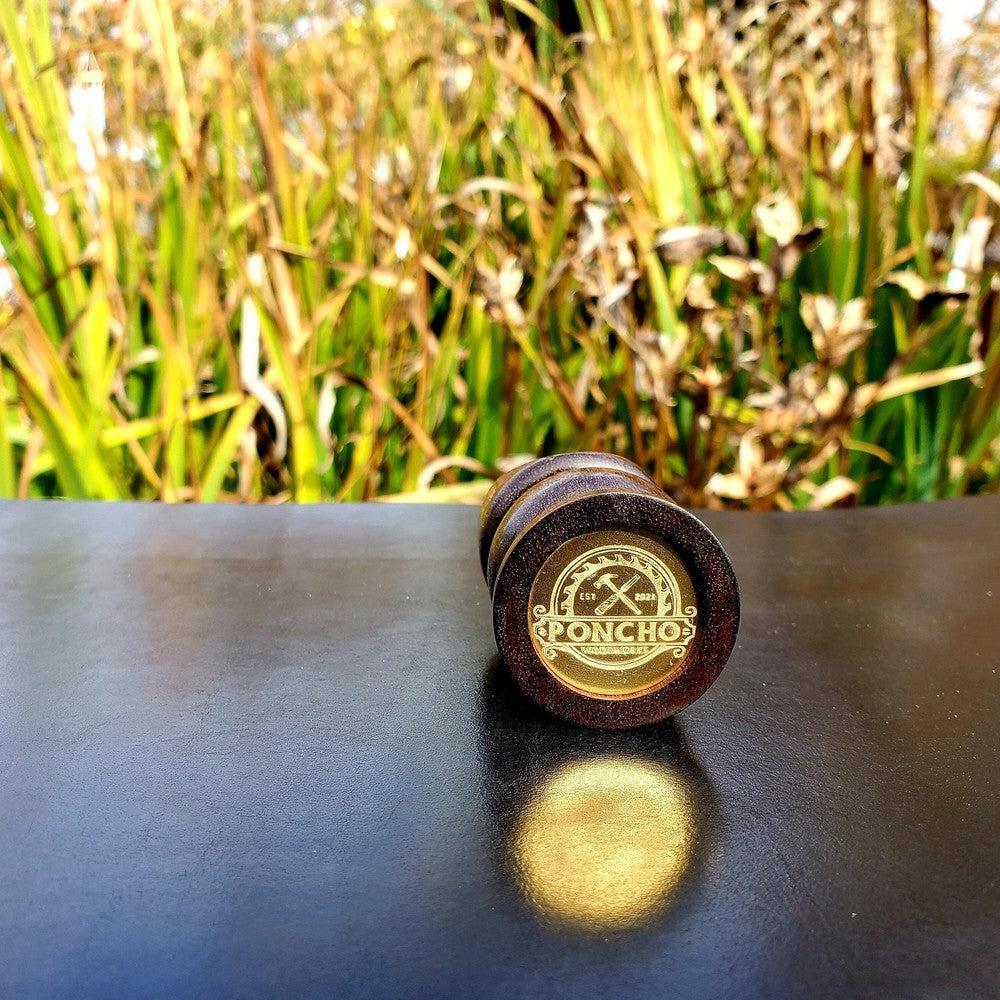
612,606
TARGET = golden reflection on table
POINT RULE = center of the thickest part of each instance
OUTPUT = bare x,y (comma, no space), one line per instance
603,843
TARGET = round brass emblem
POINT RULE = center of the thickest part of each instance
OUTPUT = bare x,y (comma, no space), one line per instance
612,614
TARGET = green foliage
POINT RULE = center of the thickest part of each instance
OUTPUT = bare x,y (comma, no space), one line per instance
265,255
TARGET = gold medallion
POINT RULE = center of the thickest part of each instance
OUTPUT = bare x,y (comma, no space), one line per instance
612,614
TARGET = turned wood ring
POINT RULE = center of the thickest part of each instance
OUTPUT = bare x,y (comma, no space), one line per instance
612,606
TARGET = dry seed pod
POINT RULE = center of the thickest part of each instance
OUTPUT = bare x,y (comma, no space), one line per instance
612,606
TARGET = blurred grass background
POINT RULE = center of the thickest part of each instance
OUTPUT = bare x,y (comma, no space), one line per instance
297,251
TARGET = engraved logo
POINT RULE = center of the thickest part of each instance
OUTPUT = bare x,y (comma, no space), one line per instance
615,608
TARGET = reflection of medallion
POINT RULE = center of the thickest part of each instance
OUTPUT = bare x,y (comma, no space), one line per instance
603,843
612,614
599,832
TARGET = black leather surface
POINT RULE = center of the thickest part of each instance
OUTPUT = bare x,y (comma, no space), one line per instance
261,752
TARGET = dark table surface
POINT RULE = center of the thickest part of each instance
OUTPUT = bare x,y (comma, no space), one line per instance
262,752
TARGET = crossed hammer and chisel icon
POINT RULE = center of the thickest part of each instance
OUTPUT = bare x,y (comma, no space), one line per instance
618,594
